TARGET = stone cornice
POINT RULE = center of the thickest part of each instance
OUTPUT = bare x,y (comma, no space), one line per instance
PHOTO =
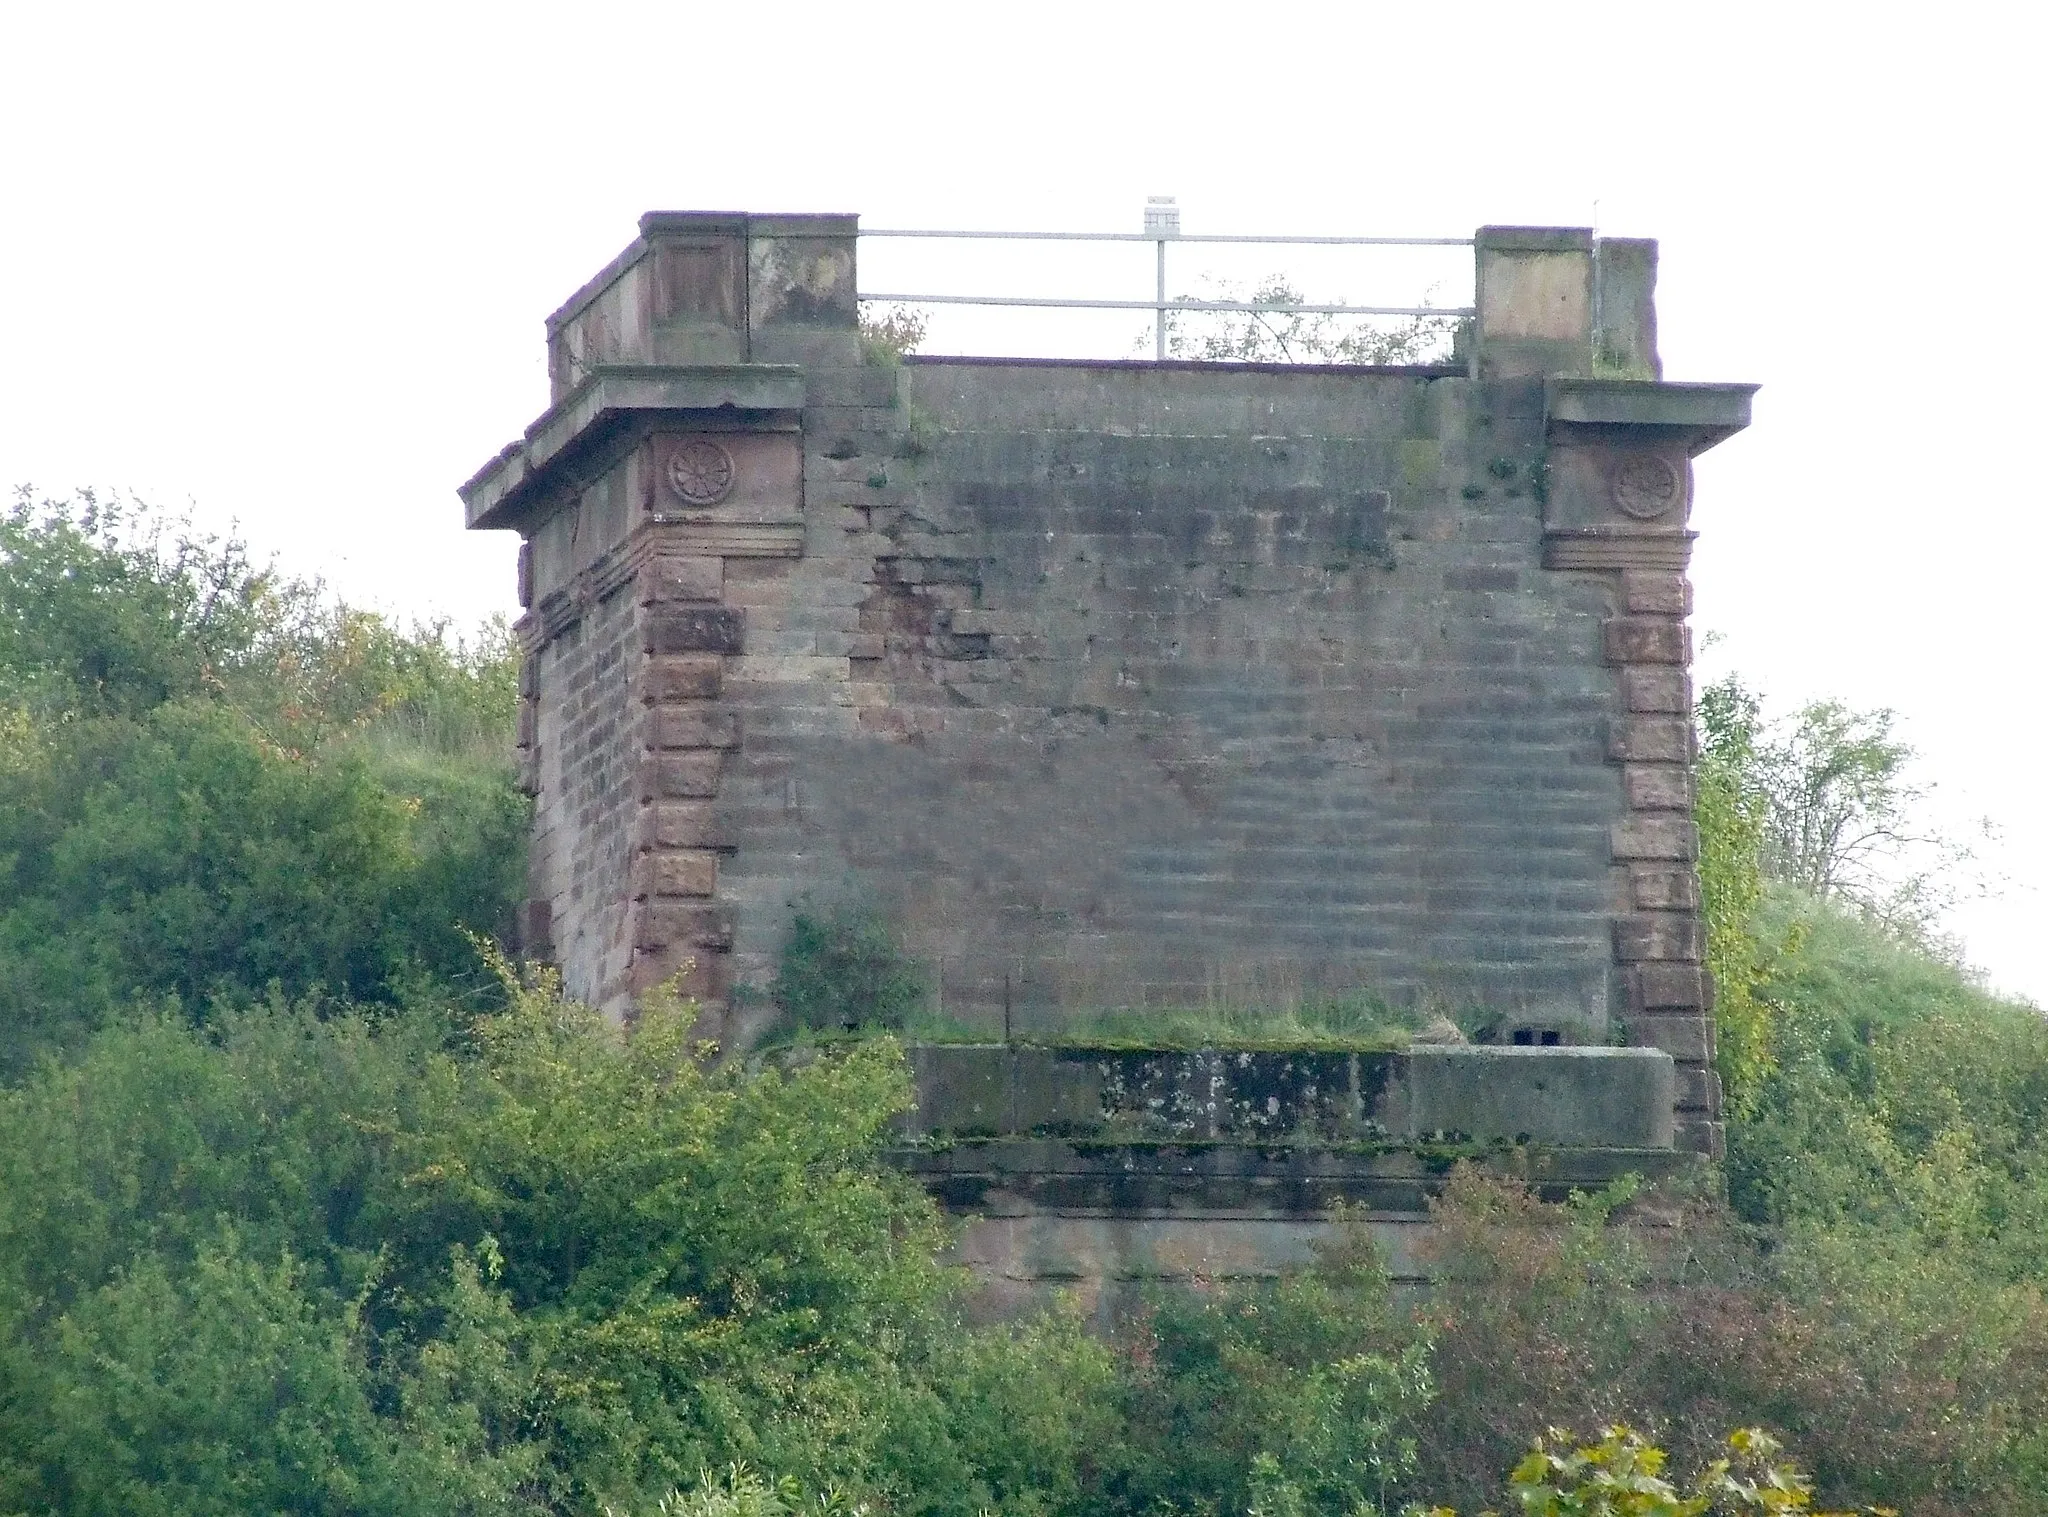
505,491
1699,415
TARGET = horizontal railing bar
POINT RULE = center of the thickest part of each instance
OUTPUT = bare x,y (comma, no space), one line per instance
1172,305
1353,242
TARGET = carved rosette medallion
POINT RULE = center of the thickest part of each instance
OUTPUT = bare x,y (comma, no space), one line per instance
701,472
1646,485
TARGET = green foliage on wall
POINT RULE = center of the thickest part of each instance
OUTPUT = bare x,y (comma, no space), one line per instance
841,970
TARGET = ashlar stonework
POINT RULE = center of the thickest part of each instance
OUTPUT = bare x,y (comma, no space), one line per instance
1117,684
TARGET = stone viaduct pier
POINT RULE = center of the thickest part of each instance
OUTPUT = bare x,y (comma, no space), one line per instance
1114,683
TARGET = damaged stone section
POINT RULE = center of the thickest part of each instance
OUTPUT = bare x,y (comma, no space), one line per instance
1127,685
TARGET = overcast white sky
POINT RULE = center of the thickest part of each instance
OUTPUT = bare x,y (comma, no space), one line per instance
288,263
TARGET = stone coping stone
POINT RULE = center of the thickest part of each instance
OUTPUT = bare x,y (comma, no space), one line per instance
1704,414
1568,1097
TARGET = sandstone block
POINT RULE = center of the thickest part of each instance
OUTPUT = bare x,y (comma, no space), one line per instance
672,924
685,824
1664,889
1655,837
696,726
710,629
1699,1089
1702,1137
1651,739
1664,988
688,677
1482,579
671,872
1684,1037
1646,640
1657,787
703,975
1572,1097
1656,687
1657,593
693,774
973,619
668,579
1662,935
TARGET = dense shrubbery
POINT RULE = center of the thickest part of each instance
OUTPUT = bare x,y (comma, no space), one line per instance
285,1263
302,1210
217,780
521,1262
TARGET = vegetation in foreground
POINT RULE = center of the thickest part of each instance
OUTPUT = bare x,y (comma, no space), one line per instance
300,1210
425,1261
218,780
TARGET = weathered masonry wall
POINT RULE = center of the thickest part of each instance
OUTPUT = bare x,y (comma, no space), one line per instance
1118,684
1171,684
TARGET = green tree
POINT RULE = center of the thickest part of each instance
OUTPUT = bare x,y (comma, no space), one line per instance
107,606
1303,1395
213,779
1282,336
1732,807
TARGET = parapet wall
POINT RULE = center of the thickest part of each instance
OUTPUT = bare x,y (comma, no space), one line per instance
1116,684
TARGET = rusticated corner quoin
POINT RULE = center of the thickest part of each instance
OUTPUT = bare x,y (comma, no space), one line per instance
1117,684
671,455
1617,502
1620,497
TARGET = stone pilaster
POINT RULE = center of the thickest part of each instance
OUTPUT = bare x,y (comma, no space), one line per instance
673,448
1618,499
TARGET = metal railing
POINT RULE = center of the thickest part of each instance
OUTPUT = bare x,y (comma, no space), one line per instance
1162,226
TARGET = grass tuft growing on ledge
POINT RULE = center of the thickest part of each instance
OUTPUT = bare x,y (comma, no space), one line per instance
1337,1024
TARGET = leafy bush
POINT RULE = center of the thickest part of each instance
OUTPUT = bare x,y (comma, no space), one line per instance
521,1263
213,780
841,971
1304,1394
1622,1475
1280,336
740,1492
1902,1382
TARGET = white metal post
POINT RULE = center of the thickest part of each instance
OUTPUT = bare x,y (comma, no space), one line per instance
1159,327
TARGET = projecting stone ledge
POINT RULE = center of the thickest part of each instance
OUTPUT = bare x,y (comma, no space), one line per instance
1569,1097
1096,1170
1017,1131
508,489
